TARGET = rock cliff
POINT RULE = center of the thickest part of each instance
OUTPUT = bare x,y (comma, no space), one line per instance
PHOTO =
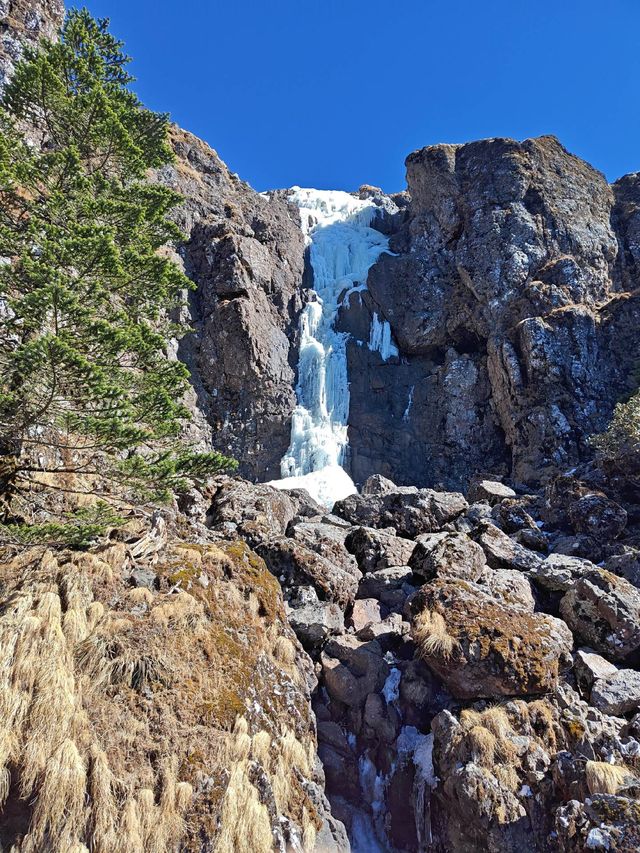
244,251
511,295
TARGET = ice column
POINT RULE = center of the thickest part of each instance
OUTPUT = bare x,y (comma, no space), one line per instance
343,247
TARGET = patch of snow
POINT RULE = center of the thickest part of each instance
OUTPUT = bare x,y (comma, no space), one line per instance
326,486
597,840
405,416
391,689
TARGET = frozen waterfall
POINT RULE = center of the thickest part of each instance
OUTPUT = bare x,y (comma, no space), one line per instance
343,247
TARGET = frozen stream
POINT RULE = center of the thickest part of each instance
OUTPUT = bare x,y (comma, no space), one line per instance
343,247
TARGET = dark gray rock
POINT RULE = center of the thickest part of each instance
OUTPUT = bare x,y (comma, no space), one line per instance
378,549
503,553
410,511
618,693
447,555
603,610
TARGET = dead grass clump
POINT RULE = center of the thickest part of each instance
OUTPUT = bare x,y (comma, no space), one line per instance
604,778
431,635
113,710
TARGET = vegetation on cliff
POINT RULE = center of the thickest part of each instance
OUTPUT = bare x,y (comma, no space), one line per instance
90,401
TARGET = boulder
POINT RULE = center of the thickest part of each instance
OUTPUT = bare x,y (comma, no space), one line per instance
508,585
603,610
365,611
391,586
380,719
296,565
617,693
257,512
558,572
626,564
503,553
491,491
389,632
378,485
313,620
601,823
482,649
596,515
447,555
353,669
409,510
511,515
328,540
378,549
589,667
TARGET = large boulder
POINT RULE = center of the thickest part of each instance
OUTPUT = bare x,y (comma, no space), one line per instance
410,511
481,648
603,610
328,540
617,693
352,669
447,555
296,565
378,549
313,620
491,491
558,572
503,553
255,512
596,515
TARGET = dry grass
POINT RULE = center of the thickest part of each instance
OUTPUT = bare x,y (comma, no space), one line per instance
116,705
431,635
604,778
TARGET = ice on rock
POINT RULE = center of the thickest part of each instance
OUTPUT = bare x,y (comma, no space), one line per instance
343,247
380,338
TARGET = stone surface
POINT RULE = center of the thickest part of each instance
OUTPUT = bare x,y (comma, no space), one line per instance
25,22
294,565
502,261
447,555
382,584
558,572
313,620
508,585
365,611
490,491
596,515
353,669
482,649
503,553
617,693
604,612
245,254
377,549
410,511
589,667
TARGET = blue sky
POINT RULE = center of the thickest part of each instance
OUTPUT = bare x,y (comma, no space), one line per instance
335,94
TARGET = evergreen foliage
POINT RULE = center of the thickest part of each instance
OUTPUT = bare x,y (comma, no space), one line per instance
89,399
622,437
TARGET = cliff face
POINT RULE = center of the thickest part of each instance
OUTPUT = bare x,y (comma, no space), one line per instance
25,22
509,297
244,251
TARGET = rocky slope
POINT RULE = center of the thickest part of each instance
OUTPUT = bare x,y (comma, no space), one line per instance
478,683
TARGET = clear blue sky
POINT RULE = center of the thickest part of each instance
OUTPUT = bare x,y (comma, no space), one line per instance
336,93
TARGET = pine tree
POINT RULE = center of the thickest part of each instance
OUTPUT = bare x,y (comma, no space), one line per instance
89,399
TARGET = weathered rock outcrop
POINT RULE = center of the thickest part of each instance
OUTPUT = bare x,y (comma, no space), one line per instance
25,22
511,294
244,251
